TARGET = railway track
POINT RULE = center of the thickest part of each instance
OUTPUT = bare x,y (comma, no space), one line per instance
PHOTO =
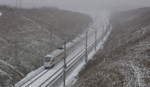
60,69
32,80
75,61
59,72
36,76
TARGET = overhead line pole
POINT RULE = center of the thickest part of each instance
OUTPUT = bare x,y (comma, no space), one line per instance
17,3
65,55
20,3
86,50
95,39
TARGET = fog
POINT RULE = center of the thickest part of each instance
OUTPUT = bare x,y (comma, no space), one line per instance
80,5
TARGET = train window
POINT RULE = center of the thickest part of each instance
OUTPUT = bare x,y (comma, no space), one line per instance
60,48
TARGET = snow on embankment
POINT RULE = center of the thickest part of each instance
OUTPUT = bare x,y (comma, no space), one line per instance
124,61
101,24
9,73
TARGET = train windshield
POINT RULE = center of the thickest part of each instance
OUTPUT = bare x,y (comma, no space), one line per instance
47,59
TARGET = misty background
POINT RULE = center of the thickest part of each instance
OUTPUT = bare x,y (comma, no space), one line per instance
29,34
80,5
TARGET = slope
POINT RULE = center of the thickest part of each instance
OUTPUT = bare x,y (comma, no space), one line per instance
26,35
125,59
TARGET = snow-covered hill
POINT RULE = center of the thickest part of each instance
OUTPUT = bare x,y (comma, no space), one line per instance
125,59
26,35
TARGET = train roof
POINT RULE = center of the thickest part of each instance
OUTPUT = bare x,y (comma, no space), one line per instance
48,56
69,44
60,50
55,53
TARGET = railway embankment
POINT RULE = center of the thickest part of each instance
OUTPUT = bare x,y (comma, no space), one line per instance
125,59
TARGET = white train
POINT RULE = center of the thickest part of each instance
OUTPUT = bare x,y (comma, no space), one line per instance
56,56
53,58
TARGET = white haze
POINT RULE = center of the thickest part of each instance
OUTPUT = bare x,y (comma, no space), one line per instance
81,5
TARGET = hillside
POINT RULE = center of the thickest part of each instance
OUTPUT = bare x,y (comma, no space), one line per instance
26,35
125,59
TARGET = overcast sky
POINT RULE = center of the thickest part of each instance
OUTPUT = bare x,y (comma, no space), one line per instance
82,5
